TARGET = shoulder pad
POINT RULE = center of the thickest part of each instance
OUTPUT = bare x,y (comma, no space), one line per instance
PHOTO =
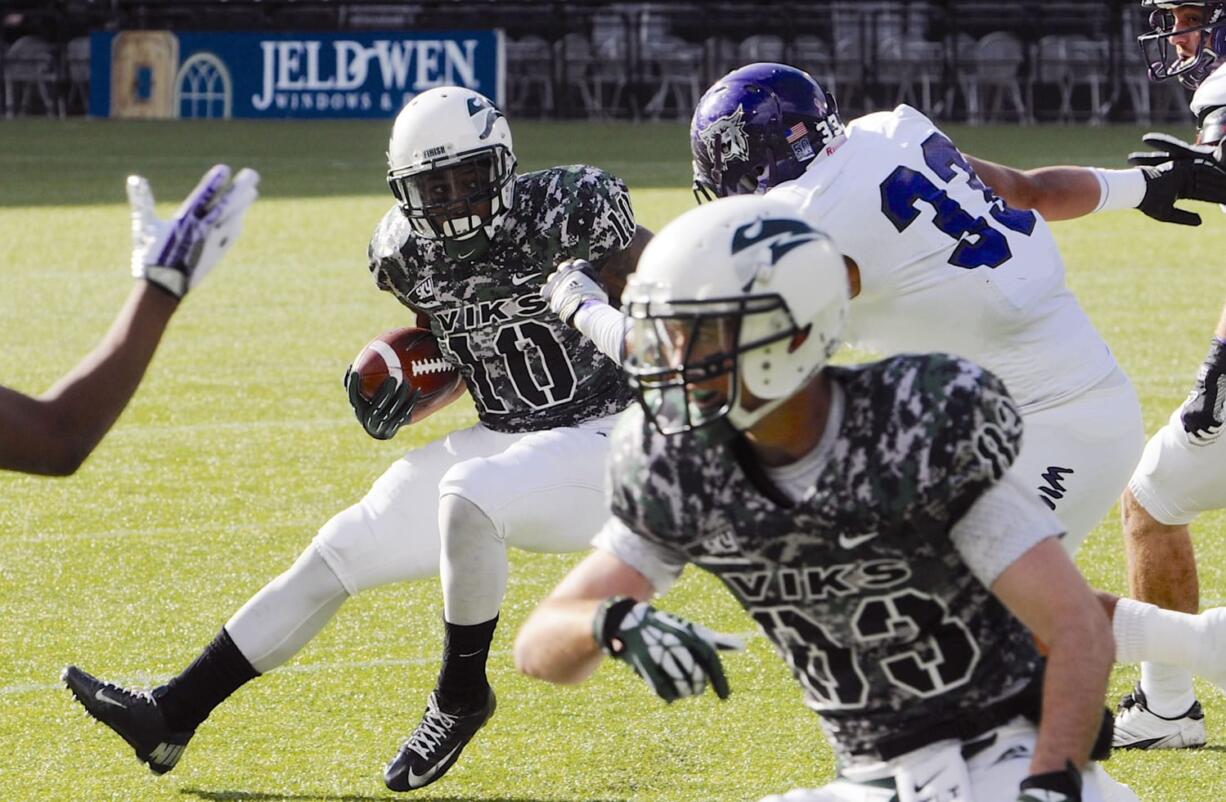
1212,126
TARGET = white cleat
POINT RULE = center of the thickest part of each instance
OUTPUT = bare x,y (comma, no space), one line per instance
1138,727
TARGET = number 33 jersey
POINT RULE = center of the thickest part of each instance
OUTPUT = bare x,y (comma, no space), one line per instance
944,264
525,369
872,587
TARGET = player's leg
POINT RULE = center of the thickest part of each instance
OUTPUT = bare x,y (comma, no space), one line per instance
1177,478
544,493
1078,455
391,534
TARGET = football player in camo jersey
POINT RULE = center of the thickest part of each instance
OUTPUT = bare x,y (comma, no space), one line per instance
466,248
947,252
864,516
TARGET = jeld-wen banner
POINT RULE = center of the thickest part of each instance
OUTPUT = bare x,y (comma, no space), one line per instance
161,74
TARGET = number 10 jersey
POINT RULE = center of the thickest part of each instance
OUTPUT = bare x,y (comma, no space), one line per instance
525,369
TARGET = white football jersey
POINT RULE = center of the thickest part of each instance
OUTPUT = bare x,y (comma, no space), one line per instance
1211,93
945,265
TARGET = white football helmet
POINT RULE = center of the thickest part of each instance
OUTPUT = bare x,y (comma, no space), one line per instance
450,154
741,288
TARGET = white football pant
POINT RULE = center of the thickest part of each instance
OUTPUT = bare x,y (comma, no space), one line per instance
538,491
994,775
1179,477
1078,455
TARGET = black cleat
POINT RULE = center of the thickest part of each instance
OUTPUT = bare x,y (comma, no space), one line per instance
435,745
133,715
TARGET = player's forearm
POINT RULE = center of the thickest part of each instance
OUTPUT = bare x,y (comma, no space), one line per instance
1079,662
81,407
606,327
556,644
1057,193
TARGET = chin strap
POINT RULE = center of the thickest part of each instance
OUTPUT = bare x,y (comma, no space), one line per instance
472,247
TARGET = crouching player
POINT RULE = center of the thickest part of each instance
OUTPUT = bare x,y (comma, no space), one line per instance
752,459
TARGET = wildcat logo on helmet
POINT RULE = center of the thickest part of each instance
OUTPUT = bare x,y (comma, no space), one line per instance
726,140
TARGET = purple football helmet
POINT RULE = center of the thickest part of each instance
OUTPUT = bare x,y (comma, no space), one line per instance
1160,54
758,126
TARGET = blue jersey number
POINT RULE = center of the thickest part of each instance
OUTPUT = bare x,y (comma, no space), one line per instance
979,244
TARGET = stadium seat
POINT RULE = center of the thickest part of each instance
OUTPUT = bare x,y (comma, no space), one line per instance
812,54
30,66
677,67
530,76
760,47
908,64
78,75
1068,62
997,66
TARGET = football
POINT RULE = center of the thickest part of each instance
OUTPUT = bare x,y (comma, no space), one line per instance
409,354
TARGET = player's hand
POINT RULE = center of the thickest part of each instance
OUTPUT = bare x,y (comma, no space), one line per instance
1053,786
676,657
572,283
1176,171
1201,414
386,411
176,254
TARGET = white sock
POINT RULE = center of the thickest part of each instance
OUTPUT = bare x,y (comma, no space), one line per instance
1145,633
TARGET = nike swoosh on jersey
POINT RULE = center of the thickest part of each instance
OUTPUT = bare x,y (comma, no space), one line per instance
521,280
101,696
851,542
417,780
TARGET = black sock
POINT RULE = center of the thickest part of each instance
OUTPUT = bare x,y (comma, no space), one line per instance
461,680
219,671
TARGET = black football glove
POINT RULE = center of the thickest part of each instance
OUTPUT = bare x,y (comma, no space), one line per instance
1201,414
386,411
675,656
1054,786
1179,171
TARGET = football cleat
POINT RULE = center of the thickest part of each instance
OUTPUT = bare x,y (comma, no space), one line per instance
1138,727
435,745
135,716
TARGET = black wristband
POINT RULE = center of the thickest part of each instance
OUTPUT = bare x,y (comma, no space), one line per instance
608,618
1067,781
1217,353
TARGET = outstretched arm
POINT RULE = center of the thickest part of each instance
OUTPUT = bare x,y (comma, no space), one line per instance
54,433
1057,193
556,643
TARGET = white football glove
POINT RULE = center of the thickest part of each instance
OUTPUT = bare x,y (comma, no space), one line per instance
675,656
569,286
176,254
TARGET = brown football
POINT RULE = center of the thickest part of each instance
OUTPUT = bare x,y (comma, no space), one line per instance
409,354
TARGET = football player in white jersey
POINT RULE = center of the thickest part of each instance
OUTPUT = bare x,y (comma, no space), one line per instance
864,516
53,434
1183,469
1178,475
466,248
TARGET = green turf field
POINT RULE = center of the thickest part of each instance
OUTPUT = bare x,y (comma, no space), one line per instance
240,444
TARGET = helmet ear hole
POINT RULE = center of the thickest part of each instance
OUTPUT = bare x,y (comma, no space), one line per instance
799,338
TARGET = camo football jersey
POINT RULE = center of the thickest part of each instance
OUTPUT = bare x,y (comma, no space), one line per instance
858,585
525,369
